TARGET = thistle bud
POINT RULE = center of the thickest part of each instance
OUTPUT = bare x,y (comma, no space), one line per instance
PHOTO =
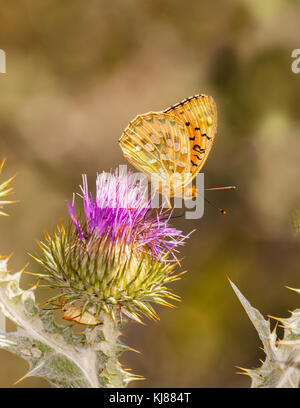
117,258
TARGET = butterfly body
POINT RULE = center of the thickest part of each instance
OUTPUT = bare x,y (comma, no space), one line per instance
171,146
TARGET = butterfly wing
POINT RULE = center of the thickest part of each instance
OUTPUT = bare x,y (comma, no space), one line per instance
199,115
74,314
158,145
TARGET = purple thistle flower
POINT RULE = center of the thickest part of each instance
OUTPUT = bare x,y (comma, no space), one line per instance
122,213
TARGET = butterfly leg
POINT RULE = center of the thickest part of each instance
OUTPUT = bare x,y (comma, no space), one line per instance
194,191
168,201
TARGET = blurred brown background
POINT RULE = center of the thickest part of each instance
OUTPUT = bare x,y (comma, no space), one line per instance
78,72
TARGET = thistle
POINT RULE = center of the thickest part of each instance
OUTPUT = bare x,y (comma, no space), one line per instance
117,259
108,266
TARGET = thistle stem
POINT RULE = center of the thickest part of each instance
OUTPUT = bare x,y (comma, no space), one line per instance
104,339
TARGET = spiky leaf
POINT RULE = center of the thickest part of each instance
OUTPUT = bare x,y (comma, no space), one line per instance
281,368
52,350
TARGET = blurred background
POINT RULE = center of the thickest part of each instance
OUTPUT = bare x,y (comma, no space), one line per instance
78,72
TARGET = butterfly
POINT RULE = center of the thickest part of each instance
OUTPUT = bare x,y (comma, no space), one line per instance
171,146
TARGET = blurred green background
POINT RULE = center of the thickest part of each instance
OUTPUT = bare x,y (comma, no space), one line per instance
78,72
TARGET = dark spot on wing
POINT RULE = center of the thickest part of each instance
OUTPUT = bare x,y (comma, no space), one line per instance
198,149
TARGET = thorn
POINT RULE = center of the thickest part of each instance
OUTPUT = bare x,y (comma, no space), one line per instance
134,350
275,318
36,285
24,268
294,289
22,378
243,373
276,326
9,256
137,377
2,163
241,368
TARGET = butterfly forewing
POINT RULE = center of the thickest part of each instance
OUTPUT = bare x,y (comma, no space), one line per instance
158,145
199,114
174,142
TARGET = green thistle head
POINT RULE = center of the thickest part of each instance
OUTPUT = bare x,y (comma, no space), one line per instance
119,267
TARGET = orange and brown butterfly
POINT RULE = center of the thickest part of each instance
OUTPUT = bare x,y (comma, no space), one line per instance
172,142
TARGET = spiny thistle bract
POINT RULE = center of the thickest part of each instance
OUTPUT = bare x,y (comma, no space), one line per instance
281,367
5,190
118,260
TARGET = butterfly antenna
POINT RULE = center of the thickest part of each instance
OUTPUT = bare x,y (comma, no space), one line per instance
223,212
221,188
